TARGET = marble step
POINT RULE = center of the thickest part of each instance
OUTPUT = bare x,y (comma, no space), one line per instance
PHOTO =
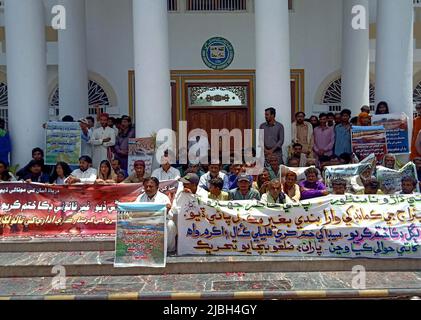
100,263
267,285
57,246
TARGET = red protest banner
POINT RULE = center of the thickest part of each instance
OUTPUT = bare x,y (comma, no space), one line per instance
38,211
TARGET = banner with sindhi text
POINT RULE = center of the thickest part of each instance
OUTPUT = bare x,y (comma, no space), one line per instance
335,226
45,212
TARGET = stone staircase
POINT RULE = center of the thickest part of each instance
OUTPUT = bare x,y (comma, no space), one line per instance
26,273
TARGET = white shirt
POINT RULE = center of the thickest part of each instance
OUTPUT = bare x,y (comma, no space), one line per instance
99,147
88,176
158,198
171,174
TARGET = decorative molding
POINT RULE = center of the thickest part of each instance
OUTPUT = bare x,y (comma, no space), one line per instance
184,77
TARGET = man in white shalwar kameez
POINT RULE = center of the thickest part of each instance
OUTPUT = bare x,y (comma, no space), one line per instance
101,138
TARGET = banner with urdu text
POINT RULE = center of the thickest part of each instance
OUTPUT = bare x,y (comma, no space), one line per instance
40,212
334,226
63,143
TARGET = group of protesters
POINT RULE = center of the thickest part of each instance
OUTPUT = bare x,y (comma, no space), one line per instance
317,143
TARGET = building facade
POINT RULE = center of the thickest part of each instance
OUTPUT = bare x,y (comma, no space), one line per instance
215,64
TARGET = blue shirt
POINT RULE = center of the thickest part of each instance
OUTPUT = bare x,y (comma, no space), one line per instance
342,140
5,148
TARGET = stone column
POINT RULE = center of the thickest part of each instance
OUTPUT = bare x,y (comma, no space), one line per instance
355,59
26,76
273,75
152,74
73,70
394,55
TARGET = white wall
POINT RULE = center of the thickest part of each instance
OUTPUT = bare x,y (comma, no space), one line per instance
315,41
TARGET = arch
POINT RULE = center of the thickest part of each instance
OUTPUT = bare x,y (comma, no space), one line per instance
416,95
329,91
4,100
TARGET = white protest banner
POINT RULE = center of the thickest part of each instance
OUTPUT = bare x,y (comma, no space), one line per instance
353,174
390,180
334,226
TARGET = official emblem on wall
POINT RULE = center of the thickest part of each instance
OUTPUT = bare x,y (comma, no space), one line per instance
217,53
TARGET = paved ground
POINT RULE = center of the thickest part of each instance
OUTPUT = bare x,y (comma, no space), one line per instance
218,286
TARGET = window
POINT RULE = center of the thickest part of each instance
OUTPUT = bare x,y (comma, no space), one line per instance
172,5
417,93
333,95
4,102
217,96
216,5
96,94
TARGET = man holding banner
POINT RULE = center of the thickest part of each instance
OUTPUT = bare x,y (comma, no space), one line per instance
152,194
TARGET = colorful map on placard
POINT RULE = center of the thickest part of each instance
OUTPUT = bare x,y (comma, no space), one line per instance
141,235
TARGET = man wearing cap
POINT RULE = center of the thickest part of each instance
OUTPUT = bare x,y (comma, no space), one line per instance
165,171
102,138
139,173
86,148
190,184
85,173
189,189
244,190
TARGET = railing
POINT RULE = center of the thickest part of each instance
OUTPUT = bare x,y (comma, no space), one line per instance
319,108
216,5
4,114
172,5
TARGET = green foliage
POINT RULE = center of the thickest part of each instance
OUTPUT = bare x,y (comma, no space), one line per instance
13,169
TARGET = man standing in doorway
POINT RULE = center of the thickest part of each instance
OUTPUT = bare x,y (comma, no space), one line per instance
273,135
